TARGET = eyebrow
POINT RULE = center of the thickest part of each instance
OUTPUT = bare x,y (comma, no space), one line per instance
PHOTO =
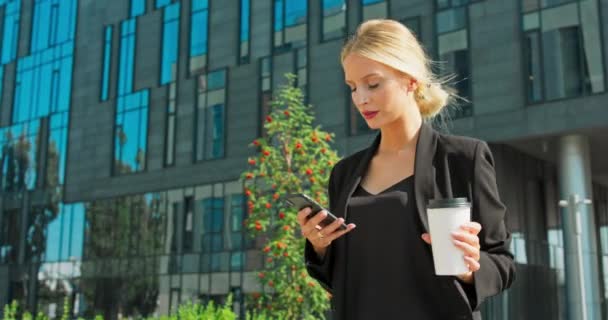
365,77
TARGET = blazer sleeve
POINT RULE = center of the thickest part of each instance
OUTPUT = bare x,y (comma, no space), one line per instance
497,270
320,269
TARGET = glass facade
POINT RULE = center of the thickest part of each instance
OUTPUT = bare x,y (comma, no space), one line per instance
374,9
244,30
333,22
199,36
170,44
290,24
562,49
131,124
210,115
10,30
451,23
138,245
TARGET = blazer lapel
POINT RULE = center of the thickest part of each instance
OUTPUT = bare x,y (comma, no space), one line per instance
424,171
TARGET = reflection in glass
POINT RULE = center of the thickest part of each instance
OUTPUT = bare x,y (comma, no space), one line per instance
334,19
170,44
453,51
563,50
290,23
210,116
199,33
19,158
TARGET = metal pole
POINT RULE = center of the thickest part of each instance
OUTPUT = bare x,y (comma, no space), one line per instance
572,204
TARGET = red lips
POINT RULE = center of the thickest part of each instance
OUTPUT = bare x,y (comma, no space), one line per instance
369,114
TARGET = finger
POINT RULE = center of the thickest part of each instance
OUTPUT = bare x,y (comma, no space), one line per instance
312,223
471,239
471,227
472,263
468,249
330,228
340,233
426,237
302,216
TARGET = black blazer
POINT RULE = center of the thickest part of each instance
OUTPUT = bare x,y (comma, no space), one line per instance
444,165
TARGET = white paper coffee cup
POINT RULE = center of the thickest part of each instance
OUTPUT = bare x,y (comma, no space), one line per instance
446,216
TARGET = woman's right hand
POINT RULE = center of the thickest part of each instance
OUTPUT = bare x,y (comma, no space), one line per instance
320,237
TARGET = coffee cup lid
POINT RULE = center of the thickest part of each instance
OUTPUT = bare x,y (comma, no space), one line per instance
449,203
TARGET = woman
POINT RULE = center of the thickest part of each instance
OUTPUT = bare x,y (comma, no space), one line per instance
384,268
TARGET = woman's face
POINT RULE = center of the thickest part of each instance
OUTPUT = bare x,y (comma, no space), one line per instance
380,93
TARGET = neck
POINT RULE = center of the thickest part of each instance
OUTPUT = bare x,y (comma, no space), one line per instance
401,135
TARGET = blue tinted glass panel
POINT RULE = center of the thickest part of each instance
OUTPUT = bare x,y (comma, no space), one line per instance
138,7
127,57
245,13
107,59
295,12
19,156
170,44
368,2
279,23
57,149
10,29
451,20
198,35
213,209
131,132
332,6
162,3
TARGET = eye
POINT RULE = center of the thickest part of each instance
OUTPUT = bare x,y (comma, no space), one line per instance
373,86
353,89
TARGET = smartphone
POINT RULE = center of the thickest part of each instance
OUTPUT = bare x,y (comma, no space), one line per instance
301,201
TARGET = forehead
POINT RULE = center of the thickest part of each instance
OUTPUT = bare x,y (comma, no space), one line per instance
357,68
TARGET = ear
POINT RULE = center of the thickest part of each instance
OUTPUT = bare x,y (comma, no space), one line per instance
412,84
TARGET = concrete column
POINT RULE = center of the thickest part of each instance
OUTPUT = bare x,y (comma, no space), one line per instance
578,224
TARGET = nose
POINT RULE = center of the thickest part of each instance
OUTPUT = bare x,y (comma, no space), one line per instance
360,98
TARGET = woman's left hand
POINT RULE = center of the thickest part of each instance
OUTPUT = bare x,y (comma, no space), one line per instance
466,239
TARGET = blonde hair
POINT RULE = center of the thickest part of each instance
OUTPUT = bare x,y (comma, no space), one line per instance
393,44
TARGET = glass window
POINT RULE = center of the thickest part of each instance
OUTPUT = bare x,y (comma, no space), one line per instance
138,7
373,9
162,3
170,44
290,23
131,125
333,23
53,23
131,135
107,60
451,20
244,31
199,33
453,52
10,36
301,70
210,118
19,159
1,84
562,51
266,91
170,135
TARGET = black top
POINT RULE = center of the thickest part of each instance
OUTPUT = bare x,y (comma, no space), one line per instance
445,165
389,273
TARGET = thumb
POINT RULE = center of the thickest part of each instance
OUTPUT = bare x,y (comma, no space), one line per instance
426,237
